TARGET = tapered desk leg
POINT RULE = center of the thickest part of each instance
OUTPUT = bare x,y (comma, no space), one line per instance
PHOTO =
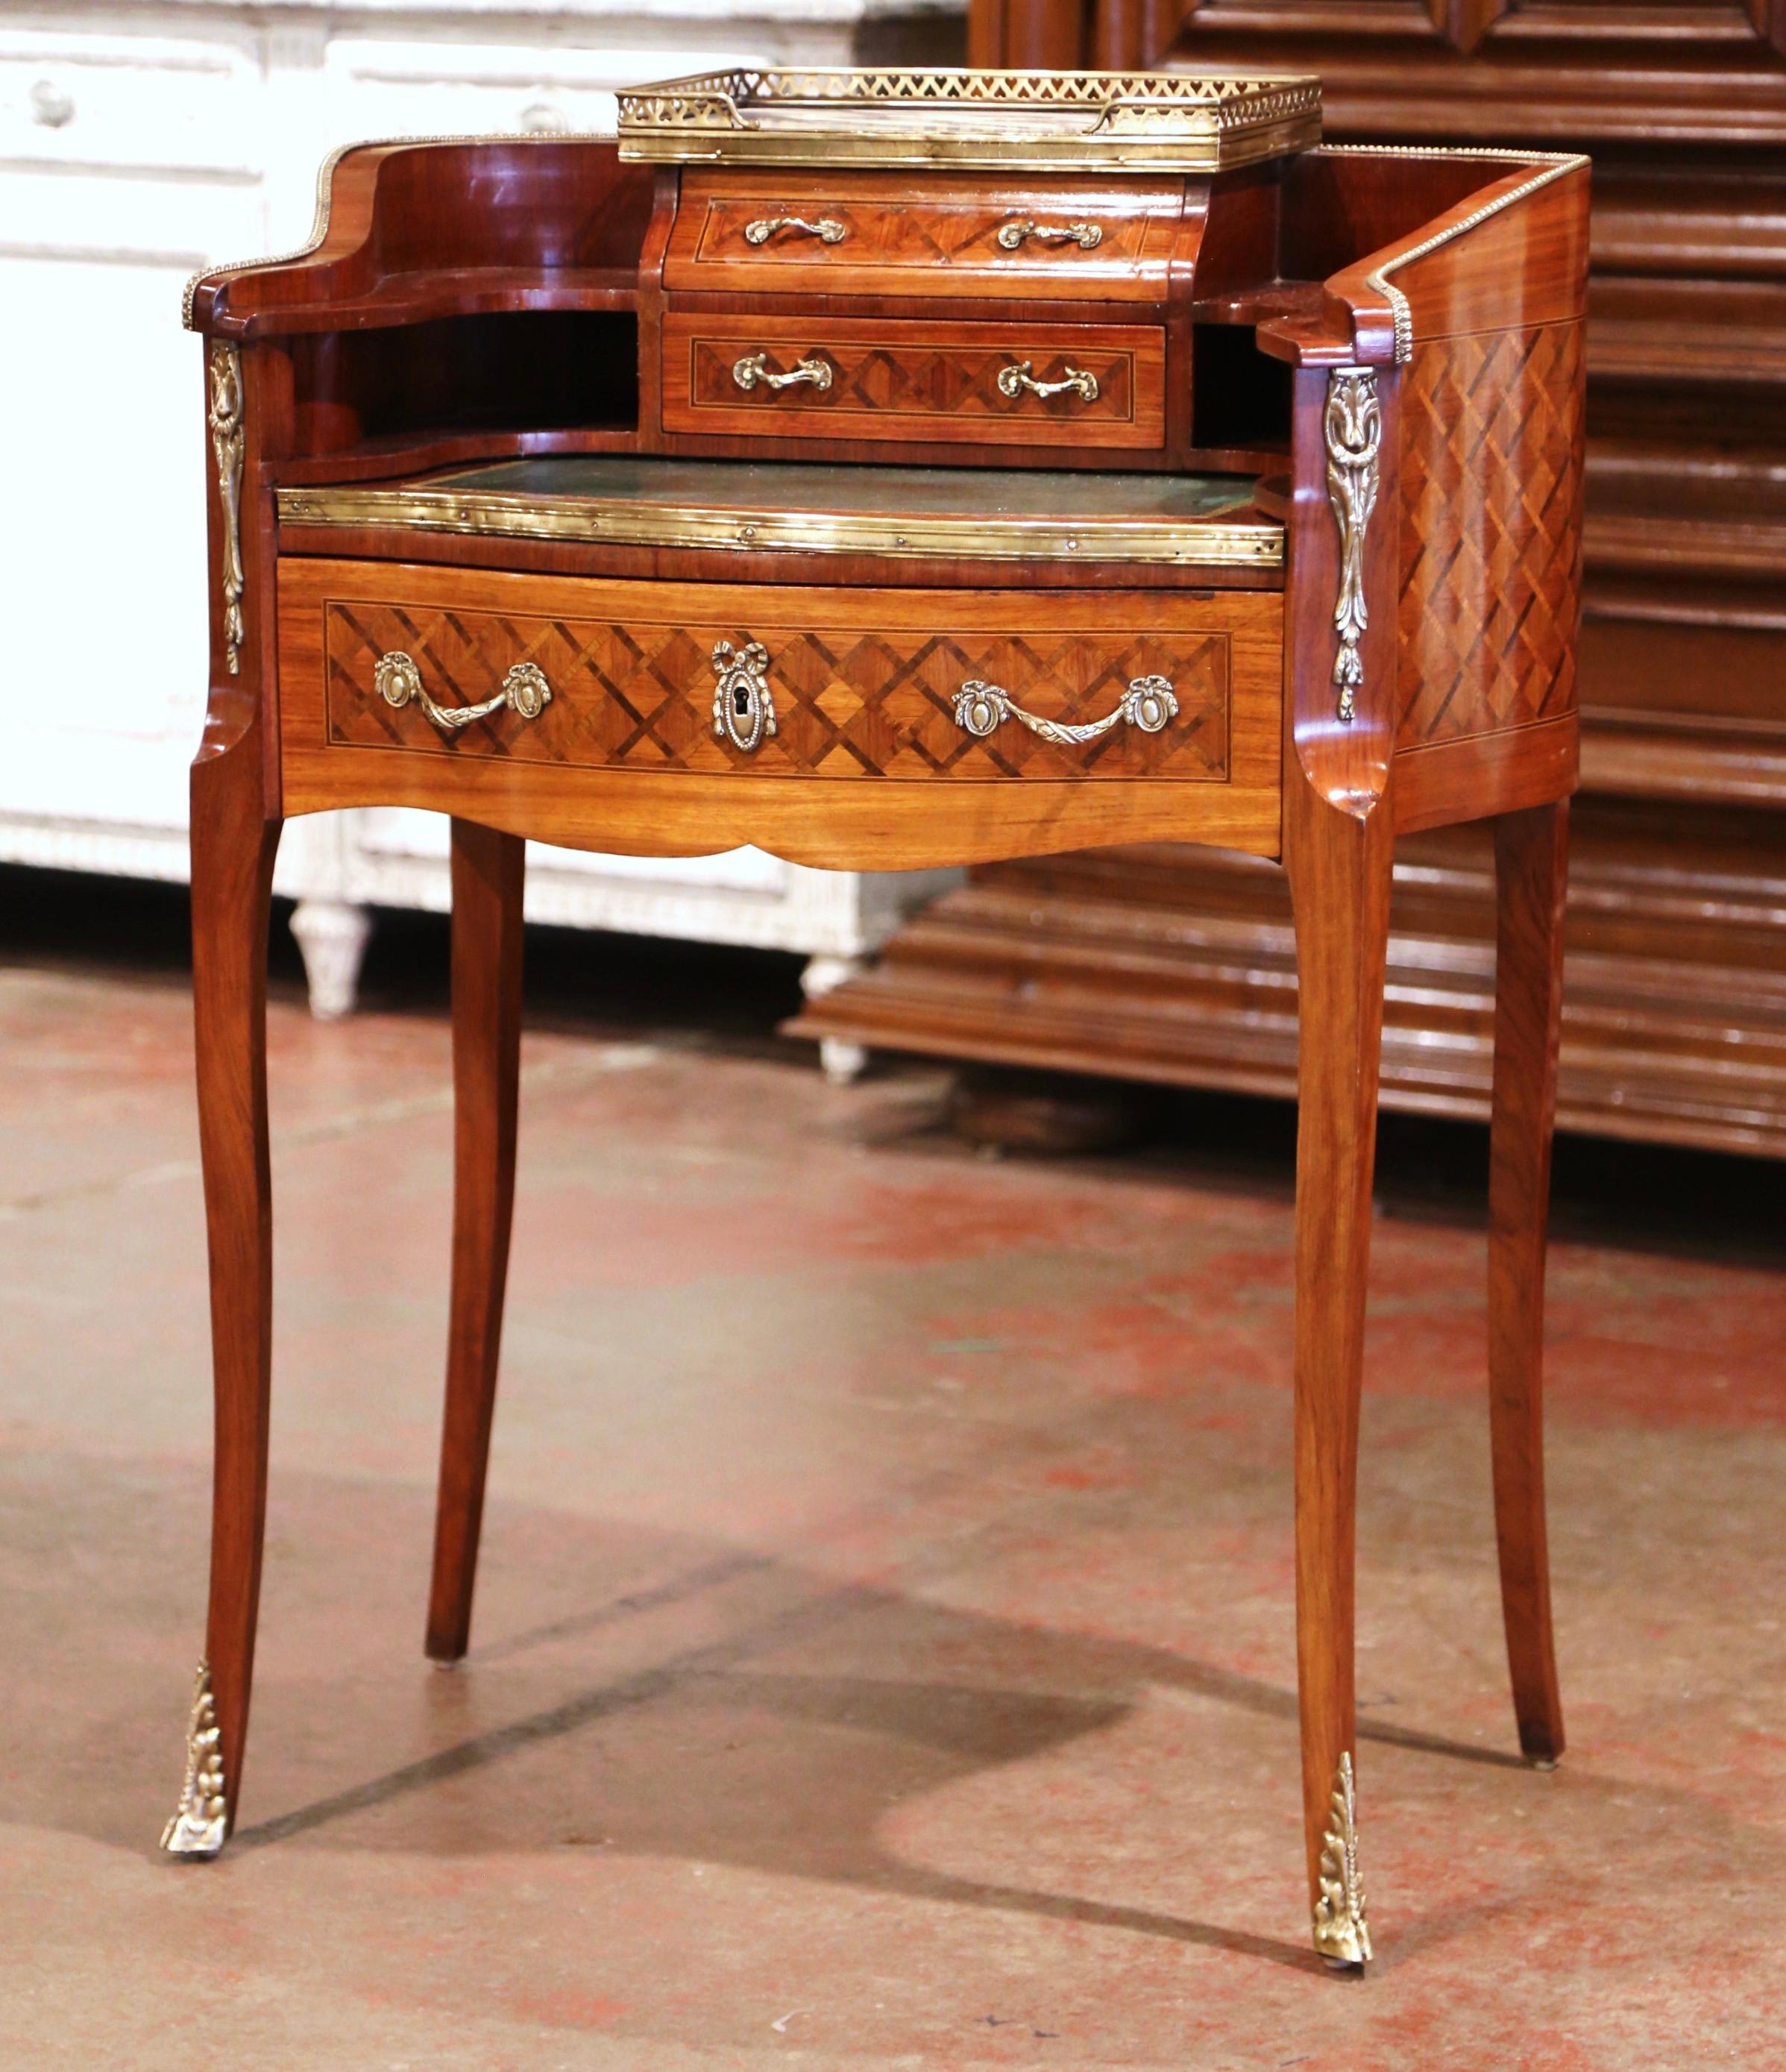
1531,851
1339,867
232,854
488,869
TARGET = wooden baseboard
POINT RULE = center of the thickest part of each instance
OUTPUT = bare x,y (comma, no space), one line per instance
1167,965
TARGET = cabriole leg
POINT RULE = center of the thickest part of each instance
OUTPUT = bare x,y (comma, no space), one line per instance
232,852
1531,852
488,871
1339,868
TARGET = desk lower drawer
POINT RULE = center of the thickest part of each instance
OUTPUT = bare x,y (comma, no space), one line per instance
862,727
945,686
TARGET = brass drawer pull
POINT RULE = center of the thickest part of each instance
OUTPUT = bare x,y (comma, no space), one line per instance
397,680
1088,236
754,368
827,229
743,710
1014,380
1149,703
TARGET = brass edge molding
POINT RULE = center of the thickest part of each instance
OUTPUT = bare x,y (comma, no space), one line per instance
619,522
225,419
1353,424
1556,165
224,268
200,1824
1342,1935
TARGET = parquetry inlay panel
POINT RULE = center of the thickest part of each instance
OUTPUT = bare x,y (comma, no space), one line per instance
848,704
898,234
1492,444
914,379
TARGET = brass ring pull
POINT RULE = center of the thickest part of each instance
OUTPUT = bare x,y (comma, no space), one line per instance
754,368
1149,704
1088,236
1014,380
743,710
397,680
827,229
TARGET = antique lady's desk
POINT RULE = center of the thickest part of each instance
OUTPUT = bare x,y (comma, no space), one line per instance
894,470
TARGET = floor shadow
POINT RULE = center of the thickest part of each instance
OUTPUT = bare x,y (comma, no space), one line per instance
824,1754
750,1710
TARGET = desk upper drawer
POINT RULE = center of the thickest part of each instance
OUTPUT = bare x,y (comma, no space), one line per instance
873,234
1045,384
779,682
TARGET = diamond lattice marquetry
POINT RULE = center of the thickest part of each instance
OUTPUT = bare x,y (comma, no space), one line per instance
915,379
1491,570
848,704
903,234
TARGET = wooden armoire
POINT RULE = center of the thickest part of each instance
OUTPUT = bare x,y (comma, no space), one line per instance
1171,965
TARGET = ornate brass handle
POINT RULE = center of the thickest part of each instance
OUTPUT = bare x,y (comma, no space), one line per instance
1149,703
1014,380
1088,236
397,680
754,368
743,710
827,229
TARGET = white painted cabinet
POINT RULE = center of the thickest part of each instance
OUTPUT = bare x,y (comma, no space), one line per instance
139,142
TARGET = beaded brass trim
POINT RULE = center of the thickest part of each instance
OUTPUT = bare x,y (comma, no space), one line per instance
1555,164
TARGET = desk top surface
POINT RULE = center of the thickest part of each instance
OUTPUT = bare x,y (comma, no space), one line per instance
986,513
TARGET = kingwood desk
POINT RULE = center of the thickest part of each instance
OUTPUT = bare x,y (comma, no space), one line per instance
916,501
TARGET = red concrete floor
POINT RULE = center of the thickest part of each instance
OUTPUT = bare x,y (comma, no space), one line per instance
883,1655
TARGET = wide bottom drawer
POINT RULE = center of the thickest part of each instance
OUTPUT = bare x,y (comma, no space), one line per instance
385,666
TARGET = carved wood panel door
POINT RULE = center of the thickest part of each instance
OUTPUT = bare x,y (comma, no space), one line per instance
1675,1007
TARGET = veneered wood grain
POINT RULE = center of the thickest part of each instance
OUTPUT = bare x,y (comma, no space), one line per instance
416,230
901,646
1506,252
1479,774
915,379
1684,645
1339,846
1491,448
233,847
1531,870
937,236
852,701
487,871
1522,266
1339,865
841,797
1525,266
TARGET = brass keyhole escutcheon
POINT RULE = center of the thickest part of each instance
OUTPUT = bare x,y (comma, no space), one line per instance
744,712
